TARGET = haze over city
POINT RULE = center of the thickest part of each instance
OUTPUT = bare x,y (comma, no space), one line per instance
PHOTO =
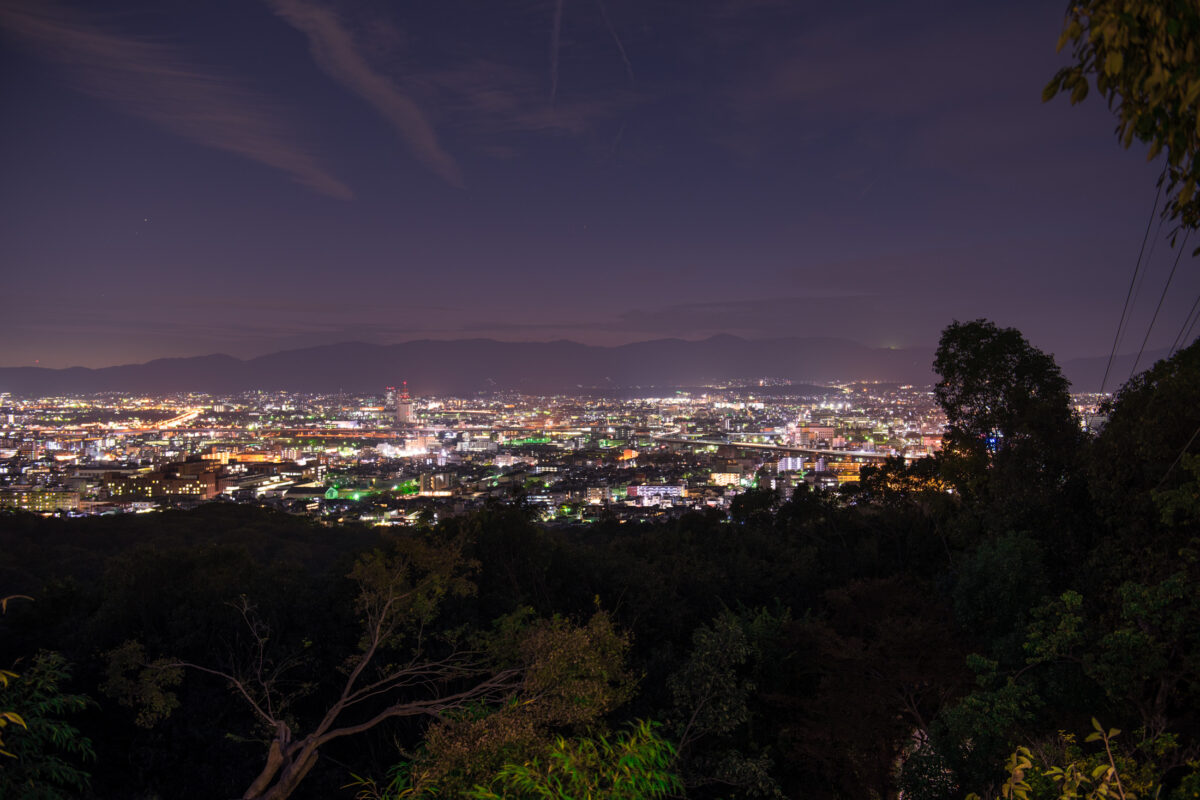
242,178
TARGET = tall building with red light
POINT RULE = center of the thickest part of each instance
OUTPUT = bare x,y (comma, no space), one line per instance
404,413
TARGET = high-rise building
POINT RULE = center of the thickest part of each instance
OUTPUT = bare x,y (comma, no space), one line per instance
404,415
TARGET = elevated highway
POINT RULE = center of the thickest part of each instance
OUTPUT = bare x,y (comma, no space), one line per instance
782,449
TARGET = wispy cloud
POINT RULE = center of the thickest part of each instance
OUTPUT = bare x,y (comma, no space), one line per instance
336,52
555,44
155,82
494,99
616,39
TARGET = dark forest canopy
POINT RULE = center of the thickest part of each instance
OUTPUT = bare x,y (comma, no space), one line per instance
906,634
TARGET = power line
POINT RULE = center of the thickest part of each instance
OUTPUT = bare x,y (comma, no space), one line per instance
1137,290
1132,280
1141,280
1186,328
1188,335
1158,308
1178,458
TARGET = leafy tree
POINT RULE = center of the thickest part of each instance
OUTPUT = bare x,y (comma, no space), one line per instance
1181,506
516,558
45,758
1032,774
1001,396
716,700
1139,645
871,673
391,674
1143,57
571,676
894,482
997,585
8,716
1012,442
918,523
636,765
969,737
1151,421
752,503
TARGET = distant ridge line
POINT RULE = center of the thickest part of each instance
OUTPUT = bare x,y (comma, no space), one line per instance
469,366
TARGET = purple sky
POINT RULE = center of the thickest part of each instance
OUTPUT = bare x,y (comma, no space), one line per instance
244,176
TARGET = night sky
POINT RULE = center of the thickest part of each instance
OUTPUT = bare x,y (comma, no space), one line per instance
183,177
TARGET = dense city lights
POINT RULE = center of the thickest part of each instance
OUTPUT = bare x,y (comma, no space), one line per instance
351,458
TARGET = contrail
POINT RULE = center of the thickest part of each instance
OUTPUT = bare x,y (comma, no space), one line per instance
555,34
334,49
157,83
616,39
612,151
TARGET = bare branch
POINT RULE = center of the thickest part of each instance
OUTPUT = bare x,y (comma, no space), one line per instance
232,681
500,685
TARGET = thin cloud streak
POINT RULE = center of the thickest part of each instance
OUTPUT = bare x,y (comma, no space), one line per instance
336,53
555,36
616,40
494,100
154,82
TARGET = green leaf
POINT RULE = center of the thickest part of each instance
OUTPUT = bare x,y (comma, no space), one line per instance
1192,93
1079,92
13,717
1051,89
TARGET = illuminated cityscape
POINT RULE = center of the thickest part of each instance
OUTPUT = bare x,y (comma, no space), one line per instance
621,400
385,459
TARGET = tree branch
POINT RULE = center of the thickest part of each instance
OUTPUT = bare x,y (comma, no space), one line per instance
232,681
497,686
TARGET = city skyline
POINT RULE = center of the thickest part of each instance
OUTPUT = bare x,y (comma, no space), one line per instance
246,178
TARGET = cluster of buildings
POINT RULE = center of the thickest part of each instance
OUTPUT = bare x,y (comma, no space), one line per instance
392,458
